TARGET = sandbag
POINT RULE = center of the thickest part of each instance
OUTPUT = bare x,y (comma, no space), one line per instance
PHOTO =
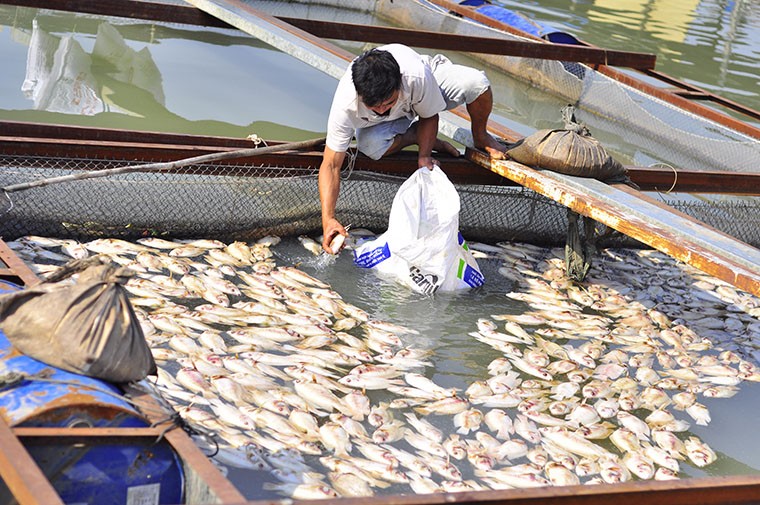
422,247
570,150
88,327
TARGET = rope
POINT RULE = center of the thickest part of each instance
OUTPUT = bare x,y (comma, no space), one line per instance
253,137
675,175
352,155
10,202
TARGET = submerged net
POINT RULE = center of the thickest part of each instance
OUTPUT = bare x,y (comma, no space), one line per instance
246,202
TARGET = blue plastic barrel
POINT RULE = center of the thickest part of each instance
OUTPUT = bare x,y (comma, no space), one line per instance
123,470
521,22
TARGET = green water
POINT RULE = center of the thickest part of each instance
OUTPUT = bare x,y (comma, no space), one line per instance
87,70
712,44
112,72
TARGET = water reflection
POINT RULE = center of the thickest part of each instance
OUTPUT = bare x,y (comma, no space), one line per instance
60,77
708,43
663,20
116,73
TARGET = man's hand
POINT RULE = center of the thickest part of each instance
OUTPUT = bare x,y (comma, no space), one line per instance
427,162
329,187
331,228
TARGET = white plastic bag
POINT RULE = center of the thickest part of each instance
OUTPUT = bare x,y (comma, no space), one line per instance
422,247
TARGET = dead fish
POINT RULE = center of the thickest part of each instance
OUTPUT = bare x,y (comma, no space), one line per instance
450,405
302,491
349,484
559,475
310,245
468,420
335,438
699,452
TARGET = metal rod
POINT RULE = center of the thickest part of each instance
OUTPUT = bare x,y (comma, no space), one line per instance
165,166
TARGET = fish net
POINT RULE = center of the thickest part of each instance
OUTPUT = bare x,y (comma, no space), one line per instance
246,202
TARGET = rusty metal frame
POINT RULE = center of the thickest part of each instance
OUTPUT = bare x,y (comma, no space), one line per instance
711,251
742,490
17,270
22,475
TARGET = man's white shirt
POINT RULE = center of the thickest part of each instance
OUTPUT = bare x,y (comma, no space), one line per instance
419,96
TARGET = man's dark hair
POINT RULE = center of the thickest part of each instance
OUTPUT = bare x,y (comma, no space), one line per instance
376,76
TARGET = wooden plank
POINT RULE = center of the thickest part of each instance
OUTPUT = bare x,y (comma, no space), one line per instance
17,266
21,474
739,490
631,213
485,45
133,9
66,432
377,34
23,129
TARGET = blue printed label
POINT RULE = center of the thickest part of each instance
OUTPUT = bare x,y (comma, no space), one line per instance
469,275
369,259
460,241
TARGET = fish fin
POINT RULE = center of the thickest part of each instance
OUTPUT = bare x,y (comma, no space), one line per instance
503,434
318,412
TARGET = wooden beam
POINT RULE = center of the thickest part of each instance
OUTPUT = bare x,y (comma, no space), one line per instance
82,433
133,9
377,34
21,474
738,490
204,483
485,45
16,266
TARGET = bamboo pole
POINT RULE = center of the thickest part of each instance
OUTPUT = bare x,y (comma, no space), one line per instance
168,165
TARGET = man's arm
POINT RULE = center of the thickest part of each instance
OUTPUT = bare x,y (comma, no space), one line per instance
427,133
329,188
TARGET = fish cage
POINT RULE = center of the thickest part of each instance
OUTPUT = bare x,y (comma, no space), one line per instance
247,202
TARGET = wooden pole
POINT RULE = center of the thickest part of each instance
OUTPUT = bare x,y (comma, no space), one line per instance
170,165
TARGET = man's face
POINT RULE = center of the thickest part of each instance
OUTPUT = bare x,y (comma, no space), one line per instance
384,107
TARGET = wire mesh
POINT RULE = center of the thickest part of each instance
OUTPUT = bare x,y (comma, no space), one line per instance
246,202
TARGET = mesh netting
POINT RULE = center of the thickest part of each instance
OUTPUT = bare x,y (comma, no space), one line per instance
246,202
668,133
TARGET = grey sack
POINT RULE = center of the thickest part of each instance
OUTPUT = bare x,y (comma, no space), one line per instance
88,328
